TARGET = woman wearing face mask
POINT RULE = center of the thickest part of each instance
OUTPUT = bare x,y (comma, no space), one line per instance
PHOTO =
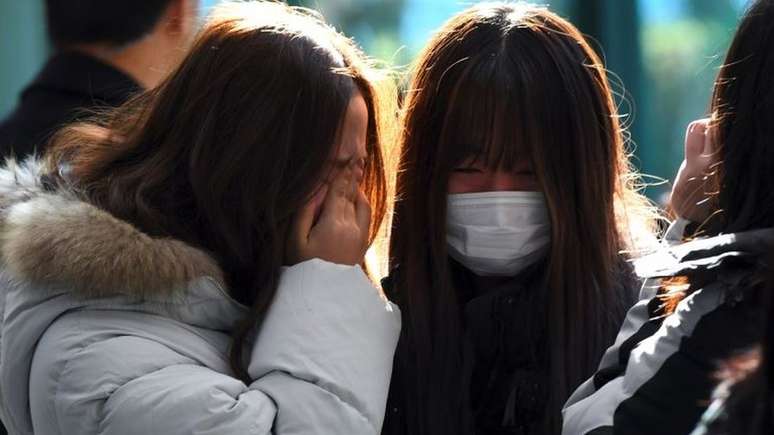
515,199
190,262
702,303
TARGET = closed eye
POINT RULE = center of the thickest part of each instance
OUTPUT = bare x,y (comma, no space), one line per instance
468,170
343,162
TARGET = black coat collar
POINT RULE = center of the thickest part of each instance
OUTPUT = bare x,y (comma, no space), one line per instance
76,73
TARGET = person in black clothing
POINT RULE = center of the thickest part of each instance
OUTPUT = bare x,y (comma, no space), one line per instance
515,199
743,404
702,303
105,51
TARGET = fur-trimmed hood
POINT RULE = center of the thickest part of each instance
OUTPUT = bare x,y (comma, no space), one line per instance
52,242
50,237
59,254
107,330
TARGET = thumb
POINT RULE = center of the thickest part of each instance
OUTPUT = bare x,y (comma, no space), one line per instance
336,198
306,216
695,140
363,214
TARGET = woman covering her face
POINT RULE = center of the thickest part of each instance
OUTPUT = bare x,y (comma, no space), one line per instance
515,199
191,262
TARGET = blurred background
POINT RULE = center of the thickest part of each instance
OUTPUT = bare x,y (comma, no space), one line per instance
663,53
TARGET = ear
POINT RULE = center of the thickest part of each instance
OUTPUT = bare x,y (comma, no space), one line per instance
181,17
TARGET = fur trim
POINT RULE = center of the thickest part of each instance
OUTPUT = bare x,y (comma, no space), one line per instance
19,182
56,239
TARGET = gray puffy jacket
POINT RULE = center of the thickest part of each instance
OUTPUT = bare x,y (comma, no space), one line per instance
105,330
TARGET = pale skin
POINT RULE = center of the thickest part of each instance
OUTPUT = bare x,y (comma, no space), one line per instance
334,225
149,59
692,197
473,176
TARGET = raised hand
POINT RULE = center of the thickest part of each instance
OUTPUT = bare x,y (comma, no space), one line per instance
340,234
693,193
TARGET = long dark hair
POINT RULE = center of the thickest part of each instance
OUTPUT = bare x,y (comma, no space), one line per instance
502,81
225,151
743,125
747,380
740,185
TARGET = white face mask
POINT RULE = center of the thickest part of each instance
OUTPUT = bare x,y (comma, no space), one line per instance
497,233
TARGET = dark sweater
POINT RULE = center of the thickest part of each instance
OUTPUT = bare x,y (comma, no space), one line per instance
70,86
505,350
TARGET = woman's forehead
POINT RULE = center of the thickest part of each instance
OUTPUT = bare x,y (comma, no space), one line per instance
354,128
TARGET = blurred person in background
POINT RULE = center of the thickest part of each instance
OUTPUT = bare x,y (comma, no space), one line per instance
104,52
701,304
516,198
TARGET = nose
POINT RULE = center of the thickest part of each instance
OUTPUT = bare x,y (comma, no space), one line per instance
502,181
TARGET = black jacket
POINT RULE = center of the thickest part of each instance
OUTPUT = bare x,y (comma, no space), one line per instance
505,349
659,376
69,86
738,407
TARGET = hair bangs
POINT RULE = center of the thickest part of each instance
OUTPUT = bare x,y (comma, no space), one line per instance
485,117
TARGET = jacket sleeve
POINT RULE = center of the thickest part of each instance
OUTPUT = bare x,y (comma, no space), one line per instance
321,364
587,405
324,352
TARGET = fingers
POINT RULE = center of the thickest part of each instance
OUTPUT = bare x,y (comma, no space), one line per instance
354,188
690,199
343,182
695,139
311,211
306,216
363,215
710,148
700,153
337,200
